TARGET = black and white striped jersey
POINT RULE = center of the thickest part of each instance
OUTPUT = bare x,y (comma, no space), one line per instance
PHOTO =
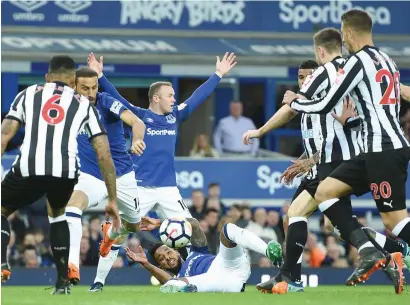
373,80
309,125
53,114
338,142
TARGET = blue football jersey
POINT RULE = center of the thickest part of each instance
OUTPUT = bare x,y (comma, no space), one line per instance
198,262
110,111
155,167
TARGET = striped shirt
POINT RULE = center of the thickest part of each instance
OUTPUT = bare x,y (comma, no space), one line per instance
309,125
338,142
53,114
373,80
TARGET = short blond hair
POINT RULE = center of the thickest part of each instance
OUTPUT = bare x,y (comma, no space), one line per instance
155,87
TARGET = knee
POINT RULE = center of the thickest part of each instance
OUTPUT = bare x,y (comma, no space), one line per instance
323,193
78,200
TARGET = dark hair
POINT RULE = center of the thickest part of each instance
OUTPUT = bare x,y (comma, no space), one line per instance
155,87
358,20
61,64
86,73
154,249
212,184
211,210
328,38
308,64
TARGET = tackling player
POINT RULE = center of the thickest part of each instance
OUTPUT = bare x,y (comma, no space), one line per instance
154,170
90,189
373,79
228,271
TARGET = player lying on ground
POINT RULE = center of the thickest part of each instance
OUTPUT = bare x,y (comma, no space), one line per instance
372,78
90,189
155,170
228,271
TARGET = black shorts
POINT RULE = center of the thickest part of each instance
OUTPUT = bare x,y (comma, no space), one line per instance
309,185
324,170
18,192
383,173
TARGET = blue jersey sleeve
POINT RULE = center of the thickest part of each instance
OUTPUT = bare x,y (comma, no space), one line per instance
106,86
203,250
201,94
115,107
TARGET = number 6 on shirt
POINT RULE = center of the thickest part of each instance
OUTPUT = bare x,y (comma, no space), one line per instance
51,105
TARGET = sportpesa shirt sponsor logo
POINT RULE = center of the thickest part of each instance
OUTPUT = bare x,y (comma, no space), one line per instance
162,132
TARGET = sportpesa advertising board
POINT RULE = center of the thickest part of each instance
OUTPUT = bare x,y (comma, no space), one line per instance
262,16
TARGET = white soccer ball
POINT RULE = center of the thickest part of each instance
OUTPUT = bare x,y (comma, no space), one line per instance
175,232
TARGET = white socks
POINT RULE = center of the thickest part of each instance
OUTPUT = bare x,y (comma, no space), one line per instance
244,238
105,264
73,216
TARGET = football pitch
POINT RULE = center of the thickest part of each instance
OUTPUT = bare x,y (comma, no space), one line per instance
148,295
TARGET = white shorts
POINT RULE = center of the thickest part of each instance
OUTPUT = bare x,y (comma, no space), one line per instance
166,201
229,272
127,194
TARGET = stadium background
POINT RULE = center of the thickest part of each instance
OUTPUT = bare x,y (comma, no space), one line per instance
146,41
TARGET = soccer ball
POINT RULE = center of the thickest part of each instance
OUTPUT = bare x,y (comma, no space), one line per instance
175,232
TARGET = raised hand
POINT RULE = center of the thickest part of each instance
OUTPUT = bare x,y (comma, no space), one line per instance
138,257
94,64
348,111
226,64
138,147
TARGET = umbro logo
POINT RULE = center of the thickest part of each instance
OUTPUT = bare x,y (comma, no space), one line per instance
149,120
73,6
28,6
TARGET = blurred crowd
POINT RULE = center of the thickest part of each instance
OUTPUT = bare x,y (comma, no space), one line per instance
29,245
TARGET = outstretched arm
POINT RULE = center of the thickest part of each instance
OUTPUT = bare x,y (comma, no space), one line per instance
348,78
140,257
202,93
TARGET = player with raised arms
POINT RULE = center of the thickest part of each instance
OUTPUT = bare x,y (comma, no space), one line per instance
155,170
201,271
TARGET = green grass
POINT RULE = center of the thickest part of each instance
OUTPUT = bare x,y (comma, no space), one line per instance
148,295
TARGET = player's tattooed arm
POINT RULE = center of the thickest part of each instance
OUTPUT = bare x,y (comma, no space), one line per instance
303,156
315,158
9,128
198,238
106,164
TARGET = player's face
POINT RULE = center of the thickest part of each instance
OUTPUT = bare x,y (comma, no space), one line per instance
347,38
167,258
302,74
166,97
88,86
